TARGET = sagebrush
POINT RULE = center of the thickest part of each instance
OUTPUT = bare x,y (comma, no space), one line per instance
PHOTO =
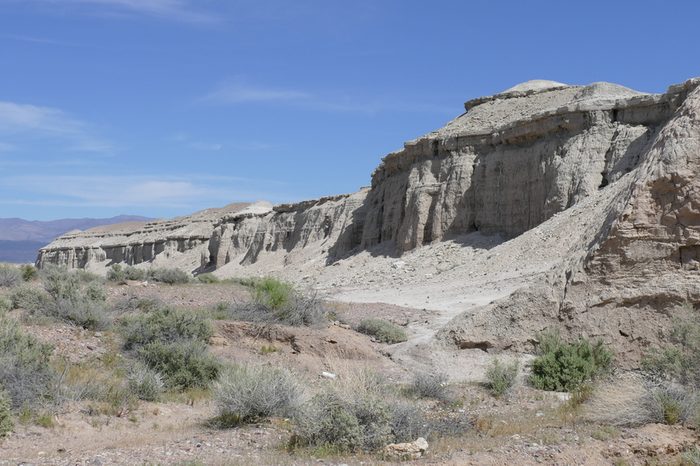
562,366
501,377
382,330
249,393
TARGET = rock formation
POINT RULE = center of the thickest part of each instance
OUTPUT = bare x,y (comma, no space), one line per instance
613,168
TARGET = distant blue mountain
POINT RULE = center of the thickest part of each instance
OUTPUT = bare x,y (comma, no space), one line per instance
20,240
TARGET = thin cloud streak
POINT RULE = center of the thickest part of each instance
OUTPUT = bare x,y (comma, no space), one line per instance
127,191
37,121
177,10
238,93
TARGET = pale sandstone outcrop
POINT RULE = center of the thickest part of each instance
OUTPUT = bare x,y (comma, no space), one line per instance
596,183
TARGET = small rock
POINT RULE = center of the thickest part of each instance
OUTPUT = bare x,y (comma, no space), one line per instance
403,451
329,375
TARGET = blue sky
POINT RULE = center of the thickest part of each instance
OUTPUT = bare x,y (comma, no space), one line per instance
163,107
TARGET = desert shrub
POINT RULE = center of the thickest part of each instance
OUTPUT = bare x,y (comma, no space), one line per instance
407,422
183,363
29,298
563,366
430,385
692,456
119,274
91,315
278,302
60,283
6,424
5,305
248,393
680,361
670,404
25,373
500,377
164,324
9,275
382,330
95,291
169,276
29,272
208,278
144,382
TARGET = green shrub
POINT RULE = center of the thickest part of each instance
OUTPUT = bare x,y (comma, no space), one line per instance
25,373
278,302
91,315
119,274
9,275
61,283
692,456
184,363
169,276
563,366
249,393
382,330
29,298
680,361
144,382
430,385
5,305
164,324
500,377
208,278
6,424
29,272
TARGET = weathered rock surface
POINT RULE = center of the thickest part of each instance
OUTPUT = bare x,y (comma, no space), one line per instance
546,205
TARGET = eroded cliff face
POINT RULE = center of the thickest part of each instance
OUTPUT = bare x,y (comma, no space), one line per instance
511,162
634,273
508,164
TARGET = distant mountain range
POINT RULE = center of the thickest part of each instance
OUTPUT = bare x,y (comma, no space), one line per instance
20,240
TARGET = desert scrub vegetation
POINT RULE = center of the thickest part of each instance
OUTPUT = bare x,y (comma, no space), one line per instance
29,298
501,377
208,278
169,276
144,382
5,305
359,412
76,297
9,276
680,360
29,272
172,342
382,330
274,301
562,366
246,394
120,274
25,371
6,424
430,385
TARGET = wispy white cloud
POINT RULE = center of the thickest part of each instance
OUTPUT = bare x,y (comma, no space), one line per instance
36,121
237,92
126,191
179,10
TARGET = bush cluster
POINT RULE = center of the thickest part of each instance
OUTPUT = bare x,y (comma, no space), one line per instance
500,377
173,343
248,393
6,424
29,272
76,297
275,301
169,276
144,382
430,385
563,366
118,273
25,372
9,276
382,330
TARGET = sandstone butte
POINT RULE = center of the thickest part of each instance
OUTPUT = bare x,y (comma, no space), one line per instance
544,206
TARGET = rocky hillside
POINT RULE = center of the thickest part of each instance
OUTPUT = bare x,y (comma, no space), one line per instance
547,204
